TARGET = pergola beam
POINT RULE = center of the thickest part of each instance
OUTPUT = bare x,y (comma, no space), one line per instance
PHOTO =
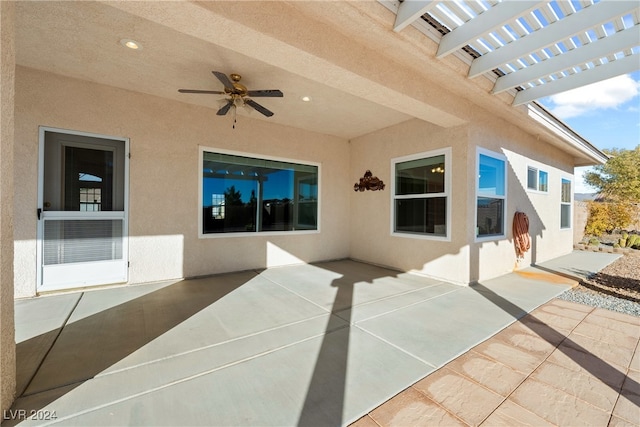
595,50
485,22
587,18
606,71
409,11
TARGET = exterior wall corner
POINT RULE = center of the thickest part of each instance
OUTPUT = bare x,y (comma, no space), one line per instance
7,329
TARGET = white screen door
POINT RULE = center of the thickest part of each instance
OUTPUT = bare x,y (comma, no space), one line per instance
82,210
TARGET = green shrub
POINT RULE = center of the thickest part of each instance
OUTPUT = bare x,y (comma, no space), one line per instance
632,240
616,245
594,242
622,242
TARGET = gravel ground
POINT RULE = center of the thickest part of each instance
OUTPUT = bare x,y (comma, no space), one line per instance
616,287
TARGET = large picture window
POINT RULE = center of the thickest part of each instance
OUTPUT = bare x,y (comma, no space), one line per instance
565,204
246,195
421,193
491,194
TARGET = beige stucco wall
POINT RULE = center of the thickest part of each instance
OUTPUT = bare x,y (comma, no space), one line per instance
165,137
7,332
462,259
370,217
164,140
496,257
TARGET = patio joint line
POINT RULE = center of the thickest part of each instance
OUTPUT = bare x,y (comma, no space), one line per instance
298,295
207,347
439,283
179,381
64,324
537,366
419,359
448,411
395,296
622,387
400,308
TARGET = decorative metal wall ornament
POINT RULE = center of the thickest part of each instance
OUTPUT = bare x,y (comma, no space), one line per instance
369,182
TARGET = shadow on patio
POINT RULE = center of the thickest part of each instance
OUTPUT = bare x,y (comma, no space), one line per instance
303,345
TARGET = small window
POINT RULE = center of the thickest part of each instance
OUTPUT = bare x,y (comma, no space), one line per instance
537,180
490,194
565,204
421,194
532,178
244,194
543,181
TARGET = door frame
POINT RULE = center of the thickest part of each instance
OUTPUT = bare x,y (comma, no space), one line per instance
42,130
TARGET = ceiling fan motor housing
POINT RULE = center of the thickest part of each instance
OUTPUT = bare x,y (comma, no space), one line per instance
238,94
238,89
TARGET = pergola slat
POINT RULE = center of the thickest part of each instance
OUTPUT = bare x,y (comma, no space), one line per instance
609,70
487,21
569,26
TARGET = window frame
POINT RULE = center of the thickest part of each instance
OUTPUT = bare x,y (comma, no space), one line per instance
447,153
539,171
569,203
241,234
479,194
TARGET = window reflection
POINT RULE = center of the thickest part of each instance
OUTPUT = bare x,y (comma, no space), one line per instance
243,194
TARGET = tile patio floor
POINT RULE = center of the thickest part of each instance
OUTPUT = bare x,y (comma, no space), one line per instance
564,364
324,344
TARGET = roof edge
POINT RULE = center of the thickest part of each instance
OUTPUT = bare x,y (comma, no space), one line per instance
590,152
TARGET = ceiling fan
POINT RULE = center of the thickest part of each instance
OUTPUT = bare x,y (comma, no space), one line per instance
238,94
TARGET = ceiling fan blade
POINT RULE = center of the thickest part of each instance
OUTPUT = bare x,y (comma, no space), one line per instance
258,107
273,93
214,92
224,79
225,109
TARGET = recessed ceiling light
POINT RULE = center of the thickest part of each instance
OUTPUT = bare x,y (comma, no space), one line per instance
131,44
306,98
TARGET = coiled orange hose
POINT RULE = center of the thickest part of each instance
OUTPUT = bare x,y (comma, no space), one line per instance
521,237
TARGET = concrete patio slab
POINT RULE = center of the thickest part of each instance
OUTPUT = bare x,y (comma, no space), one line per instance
579,264
322,345
451,323
42,321
108,328
338,286
364,311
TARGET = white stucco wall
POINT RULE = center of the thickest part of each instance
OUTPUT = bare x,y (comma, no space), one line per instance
164,140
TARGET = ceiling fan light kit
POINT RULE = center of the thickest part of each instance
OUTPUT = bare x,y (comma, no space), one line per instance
238,95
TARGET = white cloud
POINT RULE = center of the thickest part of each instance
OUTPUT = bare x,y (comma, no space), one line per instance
606,94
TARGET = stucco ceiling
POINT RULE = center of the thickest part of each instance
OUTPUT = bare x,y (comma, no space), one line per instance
81,40
361,75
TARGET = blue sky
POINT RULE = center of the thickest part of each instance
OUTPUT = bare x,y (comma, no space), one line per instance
607,114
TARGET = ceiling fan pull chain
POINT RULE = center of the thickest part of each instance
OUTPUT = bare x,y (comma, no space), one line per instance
235,112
